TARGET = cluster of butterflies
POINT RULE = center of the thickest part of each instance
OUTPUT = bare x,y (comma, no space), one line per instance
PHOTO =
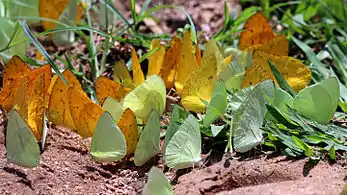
31,95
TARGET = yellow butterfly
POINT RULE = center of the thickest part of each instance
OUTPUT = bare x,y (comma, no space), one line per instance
264,44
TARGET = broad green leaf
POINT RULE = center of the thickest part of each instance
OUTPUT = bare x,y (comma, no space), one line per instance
280,117
318,102
293,149
149,95
157,183
108,143
248,118
148,144
303,146
217,105
184,148
113,107
21,145
332,153
335,8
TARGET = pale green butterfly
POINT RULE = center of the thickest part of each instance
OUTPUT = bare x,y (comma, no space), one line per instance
149,95
173,126
248,119
157,183
21,145
184,148
282,99
318,102
114,107
108,143
148,144
217,105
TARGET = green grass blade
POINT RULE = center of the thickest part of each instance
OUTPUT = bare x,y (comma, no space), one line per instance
144,7
157,8
133,11
116,11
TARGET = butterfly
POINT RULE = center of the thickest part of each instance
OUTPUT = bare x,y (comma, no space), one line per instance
264,44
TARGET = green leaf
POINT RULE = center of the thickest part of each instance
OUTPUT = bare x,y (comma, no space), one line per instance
318,102
302,145
113,107
280,117
217,105
133,11
332,153
21,145
248,118
184,148
148,144
149,95
157,183
108,143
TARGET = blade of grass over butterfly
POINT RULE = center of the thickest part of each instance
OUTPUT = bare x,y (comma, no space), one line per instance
21,145
157,183
280,79
148,144
184,148
108,143
146,55
42,50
